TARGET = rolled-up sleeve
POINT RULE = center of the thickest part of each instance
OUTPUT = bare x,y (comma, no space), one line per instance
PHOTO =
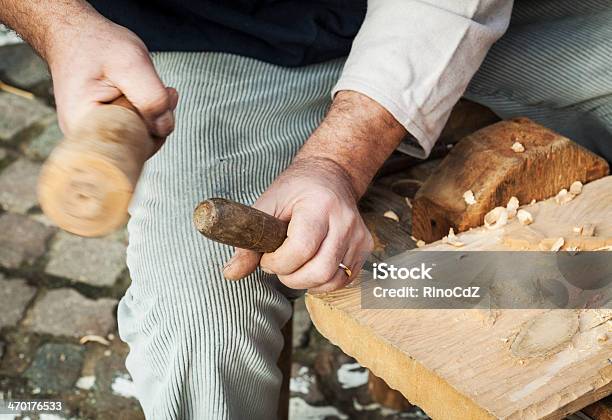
416,57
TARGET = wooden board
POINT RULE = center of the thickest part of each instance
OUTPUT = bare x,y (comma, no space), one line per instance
458,364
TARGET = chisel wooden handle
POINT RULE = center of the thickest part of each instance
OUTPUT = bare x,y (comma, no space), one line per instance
87,182
238,225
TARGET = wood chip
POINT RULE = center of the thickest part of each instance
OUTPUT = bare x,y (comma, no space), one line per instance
588,230
469,198
95,339
518,147
420,244
496,218
389,214
576,188
524,217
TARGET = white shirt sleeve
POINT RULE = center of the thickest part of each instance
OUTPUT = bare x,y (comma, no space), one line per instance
416,57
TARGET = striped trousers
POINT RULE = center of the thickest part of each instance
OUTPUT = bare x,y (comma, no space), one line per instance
205,348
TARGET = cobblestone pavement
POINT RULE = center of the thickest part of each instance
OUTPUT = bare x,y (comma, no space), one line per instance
58,292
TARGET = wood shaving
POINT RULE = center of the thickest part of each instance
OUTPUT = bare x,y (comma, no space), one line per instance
469,198
524,217
557,245
602,338
576,188
577,229
389,214
512,207
604,248
496,218
533,202
420,244
408,202
16,91
518,147
588,230
452,239
563,197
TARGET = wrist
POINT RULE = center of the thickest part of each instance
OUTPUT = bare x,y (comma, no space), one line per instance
330,169
64,26
357,135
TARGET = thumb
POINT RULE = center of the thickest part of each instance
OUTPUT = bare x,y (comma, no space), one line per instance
243,263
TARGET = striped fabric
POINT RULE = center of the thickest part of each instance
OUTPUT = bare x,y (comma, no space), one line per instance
202,347
205,348
554,65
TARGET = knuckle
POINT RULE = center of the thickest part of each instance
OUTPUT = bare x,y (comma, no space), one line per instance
326,200
293,282
157,103
309,246
326,271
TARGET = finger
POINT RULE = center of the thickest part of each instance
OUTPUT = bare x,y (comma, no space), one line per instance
362,245
305,233
242,263
323,266
141,85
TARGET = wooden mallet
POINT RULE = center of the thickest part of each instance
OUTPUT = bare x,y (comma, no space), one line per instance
87,182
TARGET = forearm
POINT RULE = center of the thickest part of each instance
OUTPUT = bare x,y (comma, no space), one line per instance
357,136
38,22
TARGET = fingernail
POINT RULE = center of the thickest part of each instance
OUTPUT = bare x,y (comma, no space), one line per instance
228,263
164,124
174,97
227,268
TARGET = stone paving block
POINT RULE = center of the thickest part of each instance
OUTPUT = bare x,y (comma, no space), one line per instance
94,261
14,297
65,312
21,67
22,240
56,367
42,144
8,36
18,186
19,114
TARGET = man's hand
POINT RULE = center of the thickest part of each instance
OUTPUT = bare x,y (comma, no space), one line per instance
325,228
318,193
92,61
